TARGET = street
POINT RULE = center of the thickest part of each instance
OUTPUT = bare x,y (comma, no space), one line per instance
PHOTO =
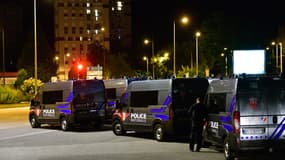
19,141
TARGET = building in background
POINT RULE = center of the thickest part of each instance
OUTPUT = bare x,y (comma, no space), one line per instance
79,24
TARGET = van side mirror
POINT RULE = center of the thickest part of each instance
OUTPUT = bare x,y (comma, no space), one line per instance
32,102
118,104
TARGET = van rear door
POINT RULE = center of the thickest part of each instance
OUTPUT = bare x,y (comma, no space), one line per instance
276,109
251,100
262,110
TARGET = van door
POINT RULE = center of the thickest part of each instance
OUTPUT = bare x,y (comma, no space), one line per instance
217,117
262,112
184,94
49,111
139,118
252,102
275,94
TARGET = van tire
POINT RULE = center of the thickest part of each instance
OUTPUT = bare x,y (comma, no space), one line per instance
228,151
34,122
159,132
64,124
117,128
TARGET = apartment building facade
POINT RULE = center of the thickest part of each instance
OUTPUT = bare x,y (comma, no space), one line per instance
81,23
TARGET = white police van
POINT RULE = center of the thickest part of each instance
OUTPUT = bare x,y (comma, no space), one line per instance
68,103
114,90
246,114
158,106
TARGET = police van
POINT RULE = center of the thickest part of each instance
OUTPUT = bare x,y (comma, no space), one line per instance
114,90
158,106
246,114
68,103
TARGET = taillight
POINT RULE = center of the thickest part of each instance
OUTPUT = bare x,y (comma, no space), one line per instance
72,107
171,112
236,121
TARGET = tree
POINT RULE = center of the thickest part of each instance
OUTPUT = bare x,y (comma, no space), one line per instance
217,33
117,67
28,87
22,75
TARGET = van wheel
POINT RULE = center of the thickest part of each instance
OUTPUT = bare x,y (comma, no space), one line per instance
159,132
228,152
64,124
118,128
34,122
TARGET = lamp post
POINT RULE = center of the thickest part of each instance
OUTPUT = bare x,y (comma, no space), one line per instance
146,41
226,63
184,20
35,45
281,60
3,52
146,59
197,35
276,55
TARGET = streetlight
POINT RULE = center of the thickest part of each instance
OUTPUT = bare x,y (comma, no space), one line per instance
3,51
35,45
197,35
184,20
146,41
64,60
226,63
146,59
276,54
281,61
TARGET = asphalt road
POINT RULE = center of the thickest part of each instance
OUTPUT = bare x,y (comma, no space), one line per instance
18,141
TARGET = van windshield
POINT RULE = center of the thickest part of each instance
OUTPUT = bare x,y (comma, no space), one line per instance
90,90
259,97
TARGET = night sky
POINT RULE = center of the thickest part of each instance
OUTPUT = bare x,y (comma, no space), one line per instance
257,18
154,18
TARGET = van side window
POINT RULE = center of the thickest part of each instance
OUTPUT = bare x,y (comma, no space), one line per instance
217,103
144,98
51,97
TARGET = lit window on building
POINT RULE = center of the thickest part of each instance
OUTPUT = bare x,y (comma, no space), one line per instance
119,5
88,11
87,4
96,12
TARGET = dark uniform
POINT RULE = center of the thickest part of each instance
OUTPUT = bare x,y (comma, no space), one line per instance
198,116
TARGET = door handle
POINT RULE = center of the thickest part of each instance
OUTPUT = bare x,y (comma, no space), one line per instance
274,119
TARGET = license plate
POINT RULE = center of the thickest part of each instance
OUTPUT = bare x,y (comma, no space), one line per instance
251,131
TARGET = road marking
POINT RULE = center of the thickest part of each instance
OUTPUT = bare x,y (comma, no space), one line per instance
26,135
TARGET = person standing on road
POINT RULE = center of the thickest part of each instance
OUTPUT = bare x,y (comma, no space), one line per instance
198,115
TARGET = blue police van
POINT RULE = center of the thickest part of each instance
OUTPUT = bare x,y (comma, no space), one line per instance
69,103
158,106
246,114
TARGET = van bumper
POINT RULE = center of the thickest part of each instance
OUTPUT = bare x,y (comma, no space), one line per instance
86,117
265,145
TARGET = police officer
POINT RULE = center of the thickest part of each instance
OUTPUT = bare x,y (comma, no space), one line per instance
198,117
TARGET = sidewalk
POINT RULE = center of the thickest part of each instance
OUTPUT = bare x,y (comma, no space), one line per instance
23,104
